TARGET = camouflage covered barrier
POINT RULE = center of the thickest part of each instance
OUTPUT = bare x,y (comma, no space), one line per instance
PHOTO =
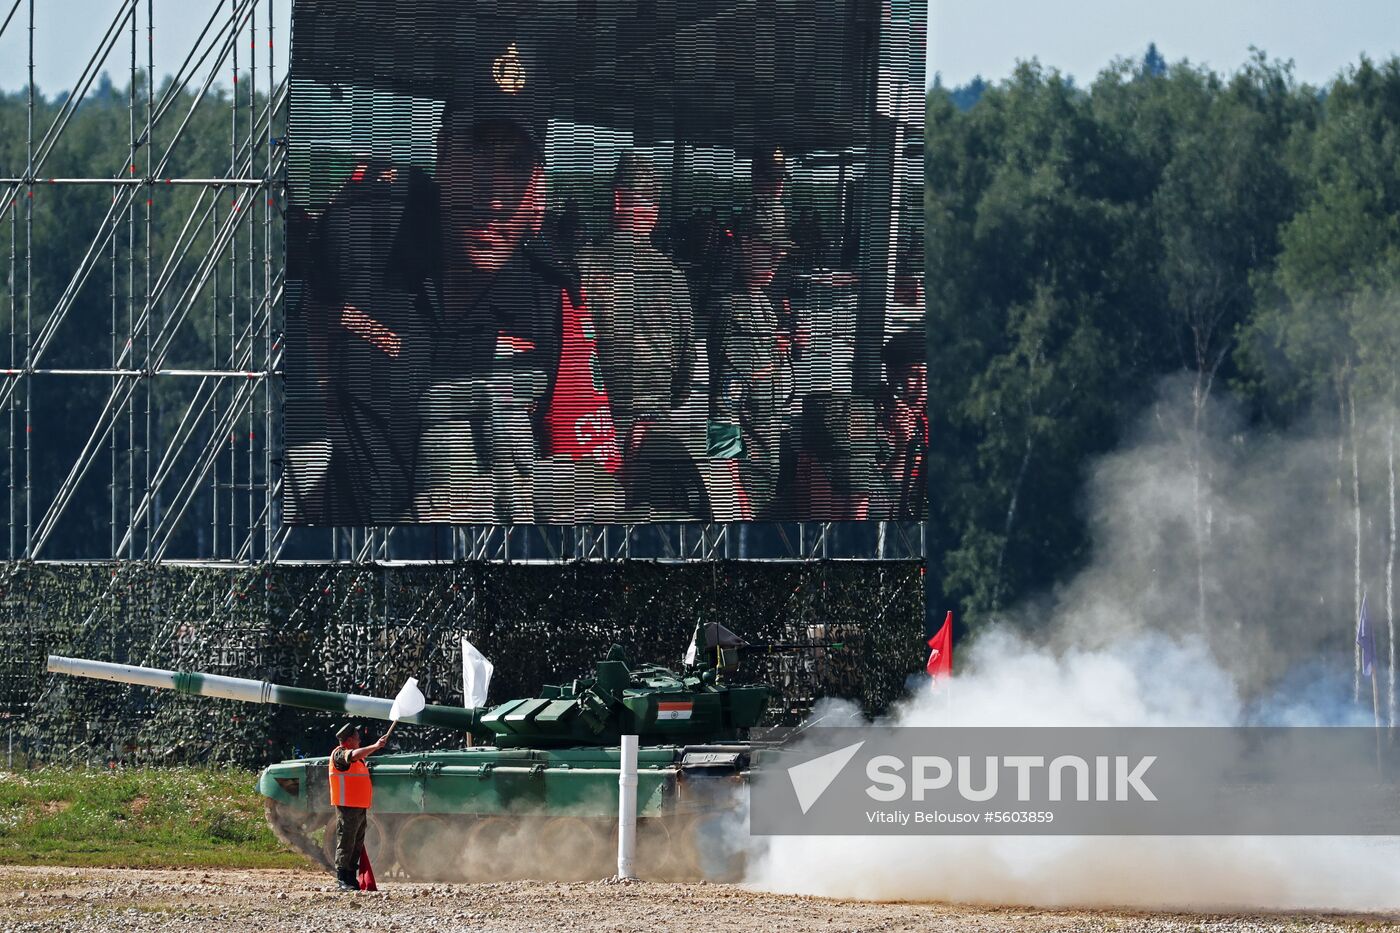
365,628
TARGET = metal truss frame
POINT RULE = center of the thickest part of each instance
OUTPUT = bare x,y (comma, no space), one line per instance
221,254
226,256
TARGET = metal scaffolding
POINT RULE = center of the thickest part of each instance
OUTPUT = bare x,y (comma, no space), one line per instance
223,251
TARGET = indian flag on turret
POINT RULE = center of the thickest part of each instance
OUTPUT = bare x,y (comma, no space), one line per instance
674,709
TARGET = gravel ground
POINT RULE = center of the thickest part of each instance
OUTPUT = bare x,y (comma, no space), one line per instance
82,900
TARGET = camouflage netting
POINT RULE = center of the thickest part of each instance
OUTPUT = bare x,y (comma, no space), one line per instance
364,629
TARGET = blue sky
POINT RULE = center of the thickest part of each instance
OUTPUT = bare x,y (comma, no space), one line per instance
966,37
66,32
987,37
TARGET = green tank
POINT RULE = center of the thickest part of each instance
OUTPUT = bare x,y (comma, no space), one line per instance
534,791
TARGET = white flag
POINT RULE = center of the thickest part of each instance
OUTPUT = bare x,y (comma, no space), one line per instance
409,702
476,675
694,648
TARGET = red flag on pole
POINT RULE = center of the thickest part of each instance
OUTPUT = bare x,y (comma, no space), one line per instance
940,658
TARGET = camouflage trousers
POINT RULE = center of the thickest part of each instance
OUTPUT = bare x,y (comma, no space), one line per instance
349,837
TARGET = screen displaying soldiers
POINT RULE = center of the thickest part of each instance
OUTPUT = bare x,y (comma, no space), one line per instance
553,263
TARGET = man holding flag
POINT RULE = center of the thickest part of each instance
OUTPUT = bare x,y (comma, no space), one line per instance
351,794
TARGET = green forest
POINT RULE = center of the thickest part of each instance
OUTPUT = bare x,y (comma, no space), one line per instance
1235,234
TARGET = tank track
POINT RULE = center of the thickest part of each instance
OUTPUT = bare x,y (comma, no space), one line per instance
464,848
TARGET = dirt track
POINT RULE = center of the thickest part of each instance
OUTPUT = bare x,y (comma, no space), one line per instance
265,901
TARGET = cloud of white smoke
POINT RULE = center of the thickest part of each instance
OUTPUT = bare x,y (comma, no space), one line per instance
1126,644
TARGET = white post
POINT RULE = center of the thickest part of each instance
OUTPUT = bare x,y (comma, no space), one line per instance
627,808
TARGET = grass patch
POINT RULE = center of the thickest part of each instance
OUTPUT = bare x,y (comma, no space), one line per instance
137,818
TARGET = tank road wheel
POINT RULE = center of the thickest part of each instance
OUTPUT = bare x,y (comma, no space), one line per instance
497,848
655,849
504,849
654,857
297,831
571,848
704,847
422,845
379,845
685,857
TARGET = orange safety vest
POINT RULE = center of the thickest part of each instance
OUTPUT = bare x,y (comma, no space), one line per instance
351,788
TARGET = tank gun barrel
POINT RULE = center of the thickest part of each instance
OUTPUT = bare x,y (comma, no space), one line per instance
261,691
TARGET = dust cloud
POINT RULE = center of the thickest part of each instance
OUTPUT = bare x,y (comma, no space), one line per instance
1219,593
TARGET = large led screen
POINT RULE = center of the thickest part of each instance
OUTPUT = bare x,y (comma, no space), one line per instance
558,262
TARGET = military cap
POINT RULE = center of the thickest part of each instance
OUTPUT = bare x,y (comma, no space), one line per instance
638,174
503,86
347,730
766,221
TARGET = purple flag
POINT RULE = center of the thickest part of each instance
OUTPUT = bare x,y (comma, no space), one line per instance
1366,638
